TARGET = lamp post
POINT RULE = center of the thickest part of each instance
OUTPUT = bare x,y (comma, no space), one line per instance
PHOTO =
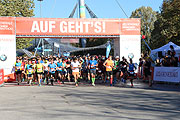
82,14
41,40
40,6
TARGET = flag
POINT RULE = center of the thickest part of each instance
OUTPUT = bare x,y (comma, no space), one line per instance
56,45
108,49
83,42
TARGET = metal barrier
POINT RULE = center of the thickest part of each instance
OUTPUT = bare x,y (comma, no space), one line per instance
1,77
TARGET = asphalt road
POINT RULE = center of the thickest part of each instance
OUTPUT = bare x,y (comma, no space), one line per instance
67,102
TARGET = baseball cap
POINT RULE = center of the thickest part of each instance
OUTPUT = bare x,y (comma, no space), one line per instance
117,57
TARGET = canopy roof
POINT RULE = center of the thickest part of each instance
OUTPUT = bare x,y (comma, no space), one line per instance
166,47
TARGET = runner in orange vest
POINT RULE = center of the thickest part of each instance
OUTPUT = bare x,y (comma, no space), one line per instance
109,64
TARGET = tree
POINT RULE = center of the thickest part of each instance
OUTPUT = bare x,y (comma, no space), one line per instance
148,17
167,27
18,8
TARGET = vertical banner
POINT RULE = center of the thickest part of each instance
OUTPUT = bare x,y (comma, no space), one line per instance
83,42
130,39
108,49
1,77
130,47
7,46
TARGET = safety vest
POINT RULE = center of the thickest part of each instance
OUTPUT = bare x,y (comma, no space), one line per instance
109,64
39,67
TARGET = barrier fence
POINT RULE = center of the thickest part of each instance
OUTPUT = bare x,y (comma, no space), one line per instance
1,77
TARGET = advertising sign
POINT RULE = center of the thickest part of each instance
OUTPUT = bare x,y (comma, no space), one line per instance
167,74
7,45
130,47
76,27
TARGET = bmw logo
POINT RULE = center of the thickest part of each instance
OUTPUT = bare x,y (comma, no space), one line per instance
3,57
131,55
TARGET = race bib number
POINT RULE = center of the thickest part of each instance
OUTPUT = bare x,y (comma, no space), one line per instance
39,69
131,73
30,70
108,66
52,69
18,68
22,67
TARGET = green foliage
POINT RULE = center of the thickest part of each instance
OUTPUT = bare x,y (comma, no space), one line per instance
167,27
148,17
18,8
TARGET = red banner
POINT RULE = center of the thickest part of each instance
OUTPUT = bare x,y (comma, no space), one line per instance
7,25
1,77
76,27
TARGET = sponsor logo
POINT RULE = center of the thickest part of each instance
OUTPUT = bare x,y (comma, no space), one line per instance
3,57
167,74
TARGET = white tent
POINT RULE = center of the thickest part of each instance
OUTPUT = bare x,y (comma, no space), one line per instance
165,48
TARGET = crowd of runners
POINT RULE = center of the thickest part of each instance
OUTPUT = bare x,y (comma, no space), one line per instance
47,70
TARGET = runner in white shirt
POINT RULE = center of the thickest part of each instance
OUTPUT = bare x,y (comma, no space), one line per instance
45,64
75,65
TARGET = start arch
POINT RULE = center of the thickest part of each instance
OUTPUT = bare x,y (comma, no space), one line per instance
126,33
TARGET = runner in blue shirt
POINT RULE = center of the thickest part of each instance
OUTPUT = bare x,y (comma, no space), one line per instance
29,71
52,69
18,70
59,70
131,71
92,65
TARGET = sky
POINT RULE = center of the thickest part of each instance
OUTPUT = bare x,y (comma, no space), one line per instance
102,8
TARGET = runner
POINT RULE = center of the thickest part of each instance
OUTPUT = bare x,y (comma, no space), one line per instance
116,69
88,69
34,70
101,70
29,72
18,70
109,64
131,72
147,70
92,65
68,68
45,64
39,69
123,66
63,70
23,64
59,71
75,66
52,68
